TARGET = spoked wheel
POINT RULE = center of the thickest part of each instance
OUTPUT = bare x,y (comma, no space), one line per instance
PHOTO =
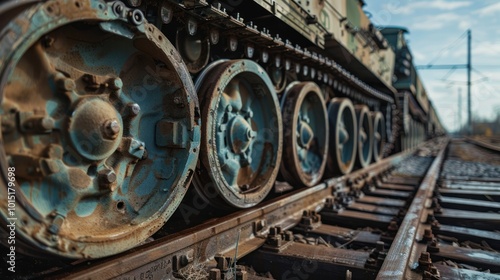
343,136
98,123
378,135
305,134
241,139
365,136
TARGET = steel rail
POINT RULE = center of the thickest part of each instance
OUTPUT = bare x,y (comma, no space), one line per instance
483,144
397,262
200,244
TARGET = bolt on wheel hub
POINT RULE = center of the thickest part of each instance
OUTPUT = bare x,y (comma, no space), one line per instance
95,129
241,135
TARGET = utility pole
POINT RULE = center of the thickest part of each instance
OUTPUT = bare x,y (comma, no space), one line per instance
459,110
469,68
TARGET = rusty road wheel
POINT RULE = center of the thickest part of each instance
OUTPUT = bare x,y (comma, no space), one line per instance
242,134
365,136
343,136
378,135
98,121
305,134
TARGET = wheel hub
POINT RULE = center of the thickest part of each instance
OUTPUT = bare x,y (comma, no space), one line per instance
240,134
96,129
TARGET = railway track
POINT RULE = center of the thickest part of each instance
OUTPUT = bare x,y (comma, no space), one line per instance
490,143
406,217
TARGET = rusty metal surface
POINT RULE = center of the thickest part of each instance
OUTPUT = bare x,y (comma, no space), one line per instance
317,262
452,273
486,143
242,135
343,136
481,259
220,236
397,262
305,133
479,220
104,146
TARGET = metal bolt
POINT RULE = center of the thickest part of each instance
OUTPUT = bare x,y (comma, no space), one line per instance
428,235
133,109
241,275
136,17
214,274
380,246
116,84
47,123
111,129
273,231
118,8
393,226
107,176
222,262
433,247
56,224
425,260
47,41
66,84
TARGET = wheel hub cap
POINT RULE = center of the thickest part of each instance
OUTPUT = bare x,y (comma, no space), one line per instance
96,129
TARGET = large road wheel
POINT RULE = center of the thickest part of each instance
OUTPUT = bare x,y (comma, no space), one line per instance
305,134
98,121
241,139
365,136
343,136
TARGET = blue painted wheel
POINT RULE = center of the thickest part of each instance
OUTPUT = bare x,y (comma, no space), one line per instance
343,136
241,140
305,133
99,118
365,136
378,135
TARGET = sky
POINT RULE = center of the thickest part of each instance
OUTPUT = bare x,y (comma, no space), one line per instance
437,36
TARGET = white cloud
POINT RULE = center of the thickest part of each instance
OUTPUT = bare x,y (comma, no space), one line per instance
492,9
433,22
487,49
396,8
